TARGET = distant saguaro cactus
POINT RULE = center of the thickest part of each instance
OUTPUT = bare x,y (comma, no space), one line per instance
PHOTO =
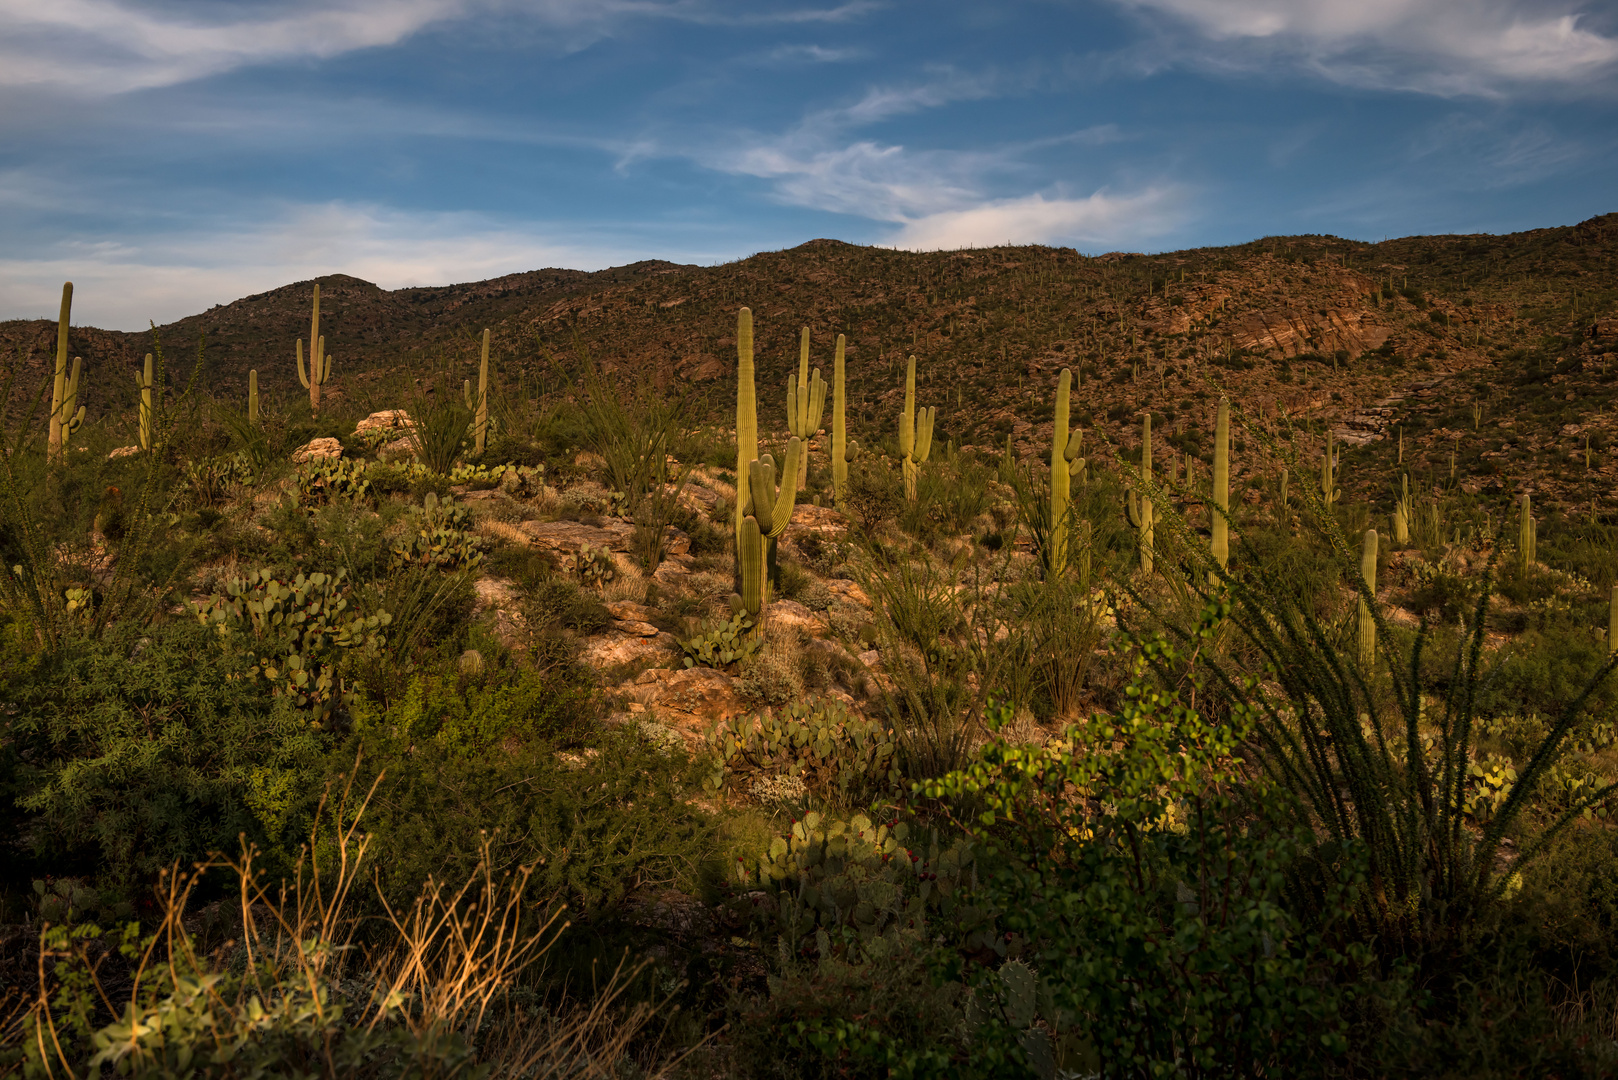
319,369
915,432
1066,464
479,405
806,402
252,395
1219,525
65,419
1138,505
843,450
144,383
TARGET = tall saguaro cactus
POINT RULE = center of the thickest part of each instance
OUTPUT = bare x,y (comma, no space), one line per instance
1219,525
842,450
1527,536
1329,491
319,363
915,432
252,396
1066,463
1367,620
145,383
746,416
1403,512
806,402
768,511
480,404
1138,505
65,419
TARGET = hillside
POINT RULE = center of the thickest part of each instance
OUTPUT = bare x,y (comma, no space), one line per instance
1369,338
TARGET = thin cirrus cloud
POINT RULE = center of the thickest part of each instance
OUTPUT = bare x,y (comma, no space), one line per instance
1446,47
1100,219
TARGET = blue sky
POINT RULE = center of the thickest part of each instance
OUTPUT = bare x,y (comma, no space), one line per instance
168,155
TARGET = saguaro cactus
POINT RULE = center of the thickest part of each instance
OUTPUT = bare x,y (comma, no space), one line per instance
1284,478
252,396
1329,491
1138,506
1219,525
1612,621
1402,512
65,420
1065,465
842,450
915,432
1367,621
806,402
746,415
1527,536
144,382
319,363
768,512
480,404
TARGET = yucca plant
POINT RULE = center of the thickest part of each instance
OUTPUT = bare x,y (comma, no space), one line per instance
1373,756
441,424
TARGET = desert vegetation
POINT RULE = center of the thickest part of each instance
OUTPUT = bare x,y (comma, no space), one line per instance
980,712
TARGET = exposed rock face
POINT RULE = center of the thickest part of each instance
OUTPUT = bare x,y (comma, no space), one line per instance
389,420
1290,331
618,648
689,700
318,450
123,451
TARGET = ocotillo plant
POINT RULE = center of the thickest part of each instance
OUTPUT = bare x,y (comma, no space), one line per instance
252,396
915,432
768,511
1329,491
746,415
319,363
1527,536
1367,620
1219,526
1138,506
65,420
480,404
842,450
806,401
1065,465
144,383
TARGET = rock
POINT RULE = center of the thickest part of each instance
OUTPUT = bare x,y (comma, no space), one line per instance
635,629
818,519
500,596
871,658
628,610
123,451
689,700
387,420
616,649
568,536
398,448
327,449
790,613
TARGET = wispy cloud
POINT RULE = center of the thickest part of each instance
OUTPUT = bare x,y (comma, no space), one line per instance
124,283
1446,47
1099,220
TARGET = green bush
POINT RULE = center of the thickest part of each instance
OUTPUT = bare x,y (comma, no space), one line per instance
834,753
156,745
473,714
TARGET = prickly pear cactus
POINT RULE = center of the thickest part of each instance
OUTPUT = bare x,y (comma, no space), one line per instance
722,644
831,750
439,536
324,479
296,631
594,566
856,887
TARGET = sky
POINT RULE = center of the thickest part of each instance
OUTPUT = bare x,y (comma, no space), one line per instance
170,155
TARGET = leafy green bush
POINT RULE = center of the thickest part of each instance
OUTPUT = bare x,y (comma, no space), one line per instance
474,713
156,745
834,753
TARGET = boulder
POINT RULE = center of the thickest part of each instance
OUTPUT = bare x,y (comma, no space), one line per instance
616,649
327,449
689,700
389,420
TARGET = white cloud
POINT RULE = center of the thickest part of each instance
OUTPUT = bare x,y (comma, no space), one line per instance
1445,47
1100,220
124,284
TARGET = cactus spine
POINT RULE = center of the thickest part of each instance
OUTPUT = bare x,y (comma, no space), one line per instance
1065,465
1527,536
842,450
252,396
1219,527
1138,506
915,432
1367,621
65,420
144,383
480,404
806,402
319,363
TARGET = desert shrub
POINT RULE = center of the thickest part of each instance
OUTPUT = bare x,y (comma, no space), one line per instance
834,753
155,745
595,824
564,603
875,493
473,712
773,675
